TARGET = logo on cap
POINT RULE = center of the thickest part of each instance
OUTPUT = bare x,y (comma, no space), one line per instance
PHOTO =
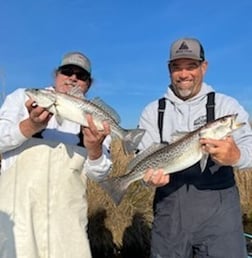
183,48
187,48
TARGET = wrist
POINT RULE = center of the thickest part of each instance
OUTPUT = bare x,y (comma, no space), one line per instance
29,128
237,159
94,154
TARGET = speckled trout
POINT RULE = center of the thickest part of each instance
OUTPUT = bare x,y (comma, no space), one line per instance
174,157
74,107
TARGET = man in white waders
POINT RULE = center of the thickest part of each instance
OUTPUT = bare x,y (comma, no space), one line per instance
43,207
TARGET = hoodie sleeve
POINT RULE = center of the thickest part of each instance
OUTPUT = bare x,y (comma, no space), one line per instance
148,121
11,113
243,137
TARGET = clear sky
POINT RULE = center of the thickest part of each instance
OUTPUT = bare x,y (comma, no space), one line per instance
128,44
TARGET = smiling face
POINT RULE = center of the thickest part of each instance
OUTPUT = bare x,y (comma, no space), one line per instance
186,77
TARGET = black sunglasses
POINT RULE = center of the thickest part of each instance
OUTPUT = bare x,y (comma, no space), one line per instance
70,70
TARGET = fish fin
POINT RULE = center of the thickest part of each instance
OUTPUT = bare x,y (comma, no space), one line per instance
145,154
177,136
131,139
106,108
203,161
76,92
116,188
59,119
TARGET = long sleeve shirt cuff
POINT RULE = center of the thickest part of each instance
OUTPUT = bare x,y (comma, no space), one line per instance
97,169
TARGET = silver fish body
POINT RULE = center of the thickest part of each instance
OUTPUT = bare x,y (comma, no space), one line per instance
72,108
174,157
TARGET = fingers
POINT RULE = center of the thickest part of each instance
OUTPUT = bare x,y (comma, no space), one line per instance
29,104
156,178
92,128
212,146
106,127
223,152
91,124
93,138
37,114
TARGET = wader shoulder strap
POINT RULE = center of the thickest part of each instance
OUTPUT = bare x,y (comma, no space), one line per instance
161,109
210,106
209,111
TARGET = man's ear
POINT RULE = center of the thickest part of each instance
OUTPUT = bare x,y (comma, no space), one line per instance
90,82
169,67
204,66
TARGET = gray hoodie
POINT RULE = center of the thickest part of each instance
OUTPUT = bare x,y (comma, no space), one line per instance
184,116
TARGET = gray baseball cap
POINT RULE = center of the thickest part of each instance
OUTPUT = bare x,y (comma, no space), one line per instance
78,59
187,48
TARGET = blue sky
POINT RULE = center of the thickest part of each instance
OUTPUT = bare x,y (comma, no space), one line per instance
128,44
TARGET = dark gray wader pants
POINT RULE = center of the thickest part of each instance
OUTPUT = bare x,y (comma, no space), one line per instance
198,223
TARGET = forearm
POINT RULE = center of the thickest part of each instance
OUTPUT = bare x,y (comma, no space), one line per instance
11,137
245,160
28,128
243,138
11,113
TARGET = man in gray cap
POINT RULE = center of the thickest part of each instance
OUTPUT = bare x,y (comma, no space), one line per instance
43,206
196,214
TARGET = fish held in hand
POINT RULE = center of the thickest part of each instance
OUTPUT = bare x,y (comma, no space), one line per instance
73,106
172,158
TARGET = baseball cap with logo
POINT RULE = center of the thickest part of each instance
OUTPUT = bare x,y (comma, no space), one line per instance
187,48
78,59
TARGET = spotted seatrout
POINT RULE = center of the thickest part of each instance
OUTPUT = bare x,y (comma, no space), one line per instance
74,108
174,157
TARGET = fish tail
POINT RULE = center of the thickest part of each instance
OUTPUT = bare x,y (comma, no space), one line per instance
131,139
116,188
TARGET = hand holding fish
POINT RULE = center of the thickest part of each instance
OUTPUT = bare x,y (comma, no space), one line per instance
93,138
37,120
156,178
223,152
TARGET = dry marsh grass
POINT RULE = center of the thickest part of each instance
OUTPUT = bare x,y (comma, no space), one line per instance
244,182
138,199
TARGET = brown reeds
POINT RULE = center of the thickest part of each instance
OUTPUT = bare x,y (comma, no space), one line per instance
138,199
244,182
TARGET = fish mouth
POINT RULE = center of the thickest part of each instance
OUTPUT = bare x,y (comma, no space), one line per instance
238,125
235,124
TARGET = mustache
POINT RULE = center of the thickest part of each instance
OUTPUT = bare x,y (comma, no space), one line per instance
183,80
70,83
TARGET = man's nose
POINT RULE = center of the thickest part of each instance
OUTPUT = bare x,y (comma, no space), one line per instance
73,77
183,73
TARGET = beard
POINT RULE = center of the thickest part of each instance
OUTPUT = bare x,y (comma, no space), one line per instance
183,91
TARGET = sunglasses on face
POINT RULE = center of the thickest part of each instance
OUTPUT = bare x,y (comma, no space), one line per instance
79,73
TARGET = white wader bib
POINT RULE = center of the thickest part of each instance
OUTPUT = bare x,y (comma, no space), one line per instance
43,208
